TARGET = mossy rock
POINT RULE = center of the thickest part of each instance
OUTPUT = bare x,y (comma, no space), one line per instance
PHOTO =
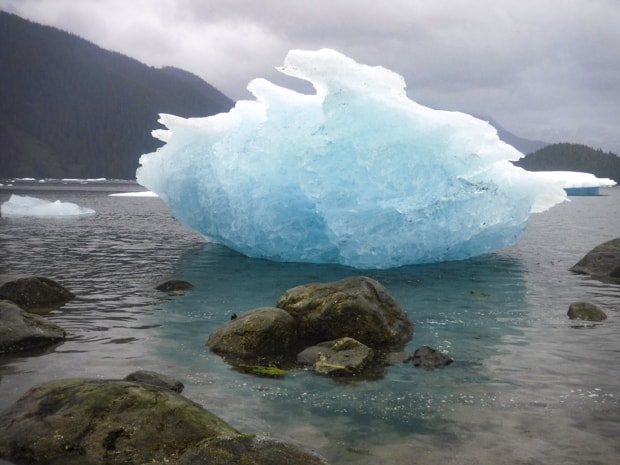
81,421
358,307
249,450
22,331
33,292
260,334
602,262
585,311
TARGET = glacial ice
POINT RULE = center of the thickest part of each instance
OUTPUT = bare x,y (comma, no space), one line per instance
356,173
24,205
576,179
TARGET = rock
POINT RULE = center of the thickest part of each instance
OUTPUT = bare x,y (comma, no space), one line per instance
358,307
80,421
342,357
152,378
30,292
252,450
602,262
262,332
112,422
585,311
427,357
21,331
174,285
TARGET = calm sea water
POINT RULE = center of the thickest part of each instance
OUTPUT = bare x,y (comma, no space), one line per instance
528,386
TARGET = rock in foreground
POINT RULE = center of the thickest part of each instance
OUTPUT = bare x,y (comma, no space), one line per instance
31,292
81,421
602,262
22,331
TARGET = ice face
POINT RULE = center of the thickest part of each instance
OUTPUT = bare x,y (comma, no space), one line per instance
356,174
19,205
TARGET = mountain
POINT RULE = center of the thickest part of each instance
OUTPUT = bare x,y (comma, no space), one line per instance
573,157
521,144
70,109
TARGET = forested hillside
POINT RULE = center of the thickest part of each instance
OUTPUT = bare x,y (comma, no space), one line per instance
573,157
69,109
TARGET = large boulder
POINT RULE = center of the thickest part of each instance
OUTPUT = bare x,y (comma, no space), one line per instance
31,292
265,332
357,307
22,331
110,422
80,421
602,262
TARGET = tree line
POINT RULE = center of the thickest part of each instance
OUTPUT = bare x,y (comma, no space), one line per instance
573,157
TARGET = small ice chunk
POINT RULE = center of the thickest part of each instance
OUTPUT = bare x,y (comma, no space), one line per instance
23,205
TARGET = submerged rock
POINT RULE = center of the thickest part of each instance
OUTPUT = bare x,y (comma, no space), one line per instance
427,357
22,331
585,311
259,333
174,285
153,378
31,292
357,307
251,450
342,357
602,262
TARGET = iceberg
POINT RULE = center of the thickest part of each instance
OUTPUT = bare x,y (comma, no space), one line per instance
577,182
356,173
24,205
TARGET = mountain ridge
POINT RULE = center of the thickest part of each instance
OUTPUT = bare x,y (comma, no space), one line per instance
69,108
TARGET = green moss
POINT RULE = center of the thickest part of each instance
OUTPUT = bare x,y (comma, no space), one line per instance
271,370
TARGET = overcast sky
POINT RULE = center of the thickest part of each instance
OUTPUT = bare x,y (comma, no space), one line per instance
544,69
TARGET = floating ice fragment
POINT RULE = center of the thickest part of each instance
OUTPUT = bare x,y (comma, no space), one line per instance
134,194
19,205
356,174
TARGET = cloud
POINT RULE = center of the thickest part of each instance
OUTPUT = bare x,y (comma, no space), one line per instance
544,70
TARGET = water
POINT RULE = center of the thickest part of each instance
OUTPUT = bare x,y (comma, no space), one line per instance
528,386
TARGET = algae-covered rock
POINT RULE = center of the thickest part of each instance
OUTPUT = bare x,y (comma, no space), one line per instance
21,331
259,333
80,421
248,450
585,311
30,292
342,357
153,378
357,307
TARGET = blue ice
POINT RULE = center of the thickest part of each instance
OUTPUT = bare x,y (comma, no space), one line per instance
356,173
